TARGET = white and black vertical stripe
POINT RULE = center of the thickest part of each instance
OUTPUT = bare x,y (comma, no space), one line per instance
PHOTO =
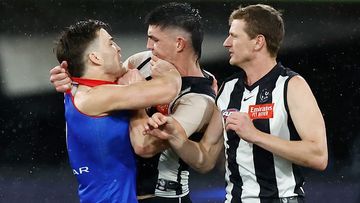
263,158
253,173
233,143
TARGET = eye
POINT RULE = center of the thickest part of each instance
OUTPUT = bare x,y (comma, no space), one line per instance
153,39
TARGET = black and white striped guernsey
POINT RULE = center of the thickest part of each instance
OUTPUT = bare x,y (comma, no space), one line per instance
254,174
166,174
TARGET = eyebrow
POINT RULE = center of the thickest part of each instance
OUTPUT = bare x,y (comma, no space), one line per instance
152,37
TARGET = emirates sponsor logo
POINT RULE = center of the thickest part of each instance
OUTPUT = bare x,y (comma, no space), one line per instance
261,111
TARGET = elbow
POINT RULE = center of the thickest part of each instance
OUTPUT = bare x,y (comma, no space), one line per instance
321,160
321,163
318,162
205,169
143,151
138,150
204,166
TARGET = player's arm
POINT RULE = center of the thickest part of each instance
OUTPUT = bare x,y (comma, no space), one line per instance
60,78
144,145
311,150
191,111
162,89
201,156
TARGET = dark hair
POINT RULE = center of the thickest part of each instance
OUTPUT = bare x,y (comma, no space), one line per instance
73,42
179,15
265,20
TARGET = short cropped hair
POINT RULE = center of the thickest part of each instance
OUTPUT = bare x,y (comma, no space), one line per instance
73,42
262,19
179,15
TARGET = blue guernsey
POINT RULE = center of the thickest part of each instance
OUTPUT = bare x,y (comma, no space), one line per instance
101,155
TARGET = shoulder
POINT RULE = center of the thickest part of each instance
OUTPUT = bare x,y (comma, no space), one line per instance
297,81
298,90
195,99
137,59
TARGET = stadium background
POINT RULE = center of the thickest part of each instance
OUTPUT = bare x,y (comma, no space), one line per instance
321,43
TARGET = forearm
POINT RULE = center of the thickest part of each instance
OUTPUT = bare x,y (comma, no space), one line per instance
147,146
195,154
142,94
160,90
201,156
305,153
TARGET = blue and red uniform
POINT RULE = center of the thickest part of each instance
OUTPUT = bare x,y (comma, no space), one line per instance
101,155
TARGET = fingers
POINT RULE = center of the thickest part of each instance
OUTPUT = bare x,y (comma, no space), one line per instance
54,71
154,58
161,118
158,133
59,72
64,65
157,120
62,85
230,126
60,77
63,88
152,123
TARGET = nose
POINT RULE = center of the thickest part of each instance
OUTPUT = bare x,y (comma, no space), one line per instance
227,43
118,48
150,44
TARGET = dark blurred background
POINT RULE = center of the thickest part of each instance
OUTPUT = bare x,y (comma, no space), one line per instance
321,43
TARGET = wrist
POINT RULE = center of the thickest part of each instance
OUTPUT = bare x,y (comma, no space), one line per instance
176,140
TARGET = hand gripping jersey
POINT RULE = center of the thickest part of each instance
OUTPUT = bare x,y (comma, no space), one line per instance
254,174
101,155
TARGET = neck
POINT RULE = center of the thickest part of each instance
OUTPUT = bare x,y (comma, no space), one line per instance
96,74
188,67
257,69
91,82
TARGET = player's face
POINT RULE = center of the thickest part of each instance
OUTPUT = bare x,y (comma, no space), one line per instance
239,44
111,54
162,42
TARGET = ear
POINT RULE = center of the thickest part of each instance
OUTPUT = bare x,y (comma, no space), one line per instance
180,44
95,58
259,42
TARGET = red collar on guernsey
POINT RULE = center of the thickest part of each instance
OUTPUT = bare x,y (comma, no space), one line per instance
91,82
